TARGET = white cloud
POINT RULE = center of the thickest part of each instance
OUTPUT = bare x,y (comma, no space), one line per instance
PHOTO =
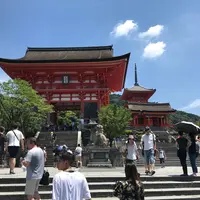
192,105
153,50
124,29
152,32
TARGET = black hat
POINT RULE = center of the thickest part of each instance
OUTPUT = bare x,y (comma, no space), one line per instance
147,128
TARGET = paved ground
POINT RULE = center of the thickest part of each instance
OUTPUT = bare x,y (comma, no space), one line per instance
99,172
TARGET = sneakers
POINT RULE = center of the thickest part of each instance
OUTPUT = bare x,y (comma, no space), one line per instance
147,172
152,173
184,175
12,172
194,174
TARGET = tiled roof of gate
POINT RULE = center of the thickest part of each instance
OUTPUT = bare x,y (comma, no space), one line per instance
151,107
68,53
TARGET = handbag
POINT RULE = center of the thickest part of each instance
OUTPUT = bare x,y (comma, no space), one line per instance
45,178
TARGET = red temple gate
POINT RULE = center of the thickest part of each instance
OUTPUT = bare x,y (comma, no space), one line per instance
71,78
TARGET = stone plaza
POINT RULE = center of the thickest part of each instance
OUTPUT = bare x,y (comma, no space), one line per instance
166,184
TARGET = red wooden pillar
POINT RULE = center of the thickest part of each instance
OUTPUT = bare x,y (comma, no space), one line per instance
99,104
161,124
82,107
133,121
81,97
136,120
145,120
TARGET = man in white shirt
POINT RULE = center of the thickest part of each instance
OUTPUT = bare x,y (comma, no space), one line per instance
148,142
131,151
15,138
69,184
78,156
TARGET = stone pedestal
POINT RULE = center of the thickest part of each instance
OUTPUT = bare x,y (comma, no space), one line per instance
99,157
116,158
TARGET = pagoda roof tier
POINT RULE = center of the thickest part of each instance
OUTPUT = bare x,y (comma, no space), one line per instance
151,107
137,90
68,53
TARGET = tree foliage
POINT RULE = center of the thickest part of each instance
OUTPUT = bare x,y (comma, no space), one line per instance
183,116
20,103
115,99
67,117
115,120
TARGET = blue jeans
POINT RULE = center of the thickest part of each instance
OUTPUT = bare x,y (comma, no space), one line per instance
193,162
149,157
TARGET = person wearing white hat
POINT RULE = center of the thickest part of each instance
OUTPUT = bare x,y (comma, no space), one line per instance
131,151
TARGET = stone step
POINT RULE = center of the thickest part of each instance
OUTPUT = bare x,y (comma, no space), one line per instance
182,197
18,180
108,192
107,185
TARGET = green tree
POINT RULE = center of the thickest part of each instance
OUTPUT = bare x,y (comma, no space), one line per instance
115,99
179,116
66,117
20,103
115,120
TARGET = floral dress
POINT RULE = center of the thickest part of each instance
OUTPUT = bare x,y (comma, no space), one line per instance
127,191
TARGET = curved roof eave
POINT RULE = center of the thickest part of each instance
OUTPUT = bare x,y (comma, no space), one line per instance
16,61
142,90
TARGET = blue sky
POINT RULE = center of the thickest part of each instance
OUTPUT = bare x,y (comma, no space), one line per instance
162,36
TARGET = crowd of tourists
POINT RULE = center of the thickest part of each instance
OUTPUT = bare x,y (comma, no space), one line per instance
64,181
71,184
188,146
148,150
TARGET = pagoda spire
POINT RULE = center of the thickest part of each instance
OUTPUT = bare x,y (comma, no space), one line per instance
136,80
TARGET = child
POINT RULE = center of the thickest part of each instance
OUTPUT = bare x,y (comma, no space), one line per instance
162,157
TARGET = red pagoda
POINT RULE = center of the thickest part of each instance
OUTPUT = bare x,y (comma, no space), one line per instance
145,113
75,78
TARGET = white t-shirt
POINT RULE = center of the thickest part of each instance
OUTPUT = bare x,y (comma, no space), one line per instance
132,151
70,185
82,121
148,140
161,154
78,151
12,140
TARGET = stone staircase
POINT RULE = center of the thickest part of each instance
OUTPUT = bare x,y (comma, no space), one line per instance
162,188
68,138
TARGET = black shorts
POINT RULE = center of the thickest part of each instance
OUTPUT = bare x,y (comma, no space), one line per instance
162,160
13,151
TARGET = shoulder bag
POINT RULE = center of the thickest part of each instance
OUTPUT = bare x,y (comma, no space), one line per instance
15,135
